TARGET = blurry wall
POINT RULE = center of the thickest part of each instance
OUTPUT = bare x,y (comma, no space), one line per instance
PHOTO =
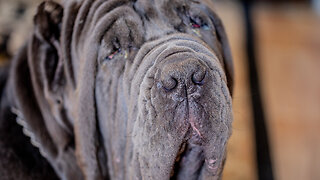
16,22
288,44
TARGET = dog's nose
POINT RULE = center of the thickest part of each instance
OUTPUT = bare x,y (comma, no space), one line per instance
184,72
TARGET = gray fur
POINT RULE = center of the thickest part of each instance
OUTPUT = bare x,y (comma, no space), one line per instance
126,89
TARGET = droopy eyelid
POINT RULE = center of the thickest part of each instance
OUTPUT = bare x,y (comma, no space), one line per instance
109,57
197,21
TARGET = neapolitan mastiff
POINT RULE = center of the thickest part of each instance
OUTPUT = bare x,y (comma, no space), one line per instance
118,89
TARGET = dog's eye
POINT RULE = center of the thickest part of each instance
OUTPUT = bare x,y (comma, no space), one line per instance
198,22
115,50
112,55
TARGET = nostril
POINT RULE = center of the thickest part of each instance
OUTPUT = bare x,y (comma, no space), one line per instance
170,83
198,77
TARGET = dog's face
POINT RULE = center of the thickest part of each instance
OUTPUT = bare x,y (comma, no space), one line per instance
144,84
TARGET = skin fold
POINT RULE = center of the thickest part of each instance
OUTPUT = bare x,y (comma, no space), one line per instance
120,89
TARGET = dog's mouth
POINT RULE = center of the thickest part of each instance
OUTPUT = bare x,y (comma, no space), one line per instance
194,157
189,162
192,162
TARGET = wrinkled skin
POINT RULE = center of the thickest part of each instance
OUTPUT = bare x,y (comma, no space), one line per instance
126,89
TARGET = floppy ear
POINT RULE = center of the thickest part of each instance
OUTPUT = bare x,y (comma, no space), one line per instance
45,46
49,86
46,67
226,52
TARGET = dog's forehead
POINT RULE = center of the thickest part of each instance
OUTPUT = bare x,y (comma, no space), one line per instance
159,17
163,17
123,24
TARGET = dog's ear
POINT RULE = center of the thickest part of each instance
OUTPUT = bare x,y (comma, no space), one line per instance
45,45
49,84
225,48
45,60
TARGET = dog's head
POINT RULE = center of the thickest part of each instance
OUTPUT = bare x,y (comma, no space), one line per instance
144,86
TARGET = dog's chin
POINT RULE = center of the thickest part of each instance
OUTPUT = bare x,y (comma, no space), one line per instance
191,162
197,157
188,162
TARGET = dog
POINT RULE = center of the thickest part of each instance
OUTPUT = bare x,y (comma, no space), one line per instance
118,89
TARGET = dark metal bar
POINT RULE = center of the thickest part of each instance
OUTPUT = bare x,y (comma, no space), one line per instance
263,156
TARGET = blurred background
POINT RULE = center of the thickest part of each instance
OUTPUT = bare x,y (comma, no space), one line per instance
287,53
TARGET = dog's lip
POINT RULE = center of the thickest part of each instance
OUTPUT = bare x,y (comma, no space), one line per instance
186,152
211,165
192,161
195,144
178,159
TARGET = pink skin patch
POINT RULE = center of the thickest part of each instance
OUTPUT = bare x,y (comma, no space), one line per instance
113,54
195,25
212,161
192,123
117,160
211,164
212,168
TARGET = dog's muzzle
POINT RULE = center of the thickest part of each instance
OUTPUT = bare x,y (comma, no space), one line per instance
184,110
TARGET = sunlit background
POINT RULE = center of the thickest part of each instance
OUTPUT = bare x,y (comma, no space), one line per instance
287,44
